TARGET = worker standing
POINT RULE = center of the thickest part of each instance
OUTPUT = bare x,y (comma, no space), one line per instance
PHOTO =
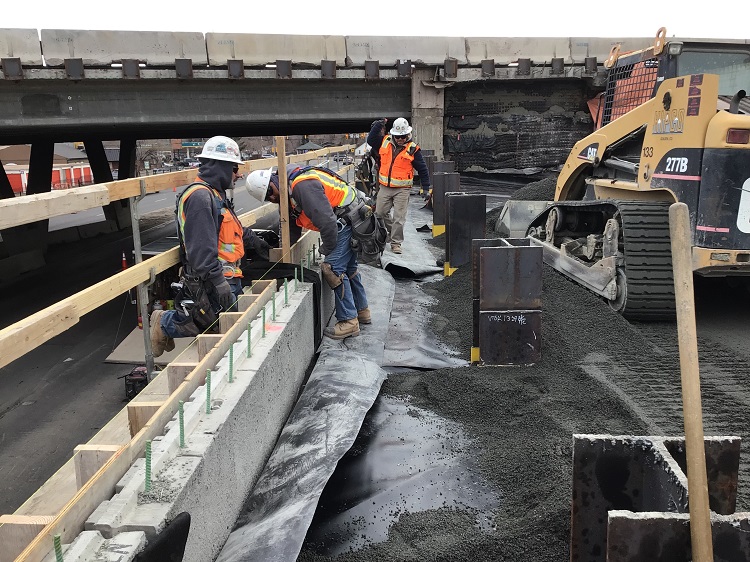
212,243
399,157
320,200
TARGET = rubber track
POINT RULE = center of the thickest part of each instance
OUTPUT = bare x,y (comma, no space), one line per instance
647,249
648,260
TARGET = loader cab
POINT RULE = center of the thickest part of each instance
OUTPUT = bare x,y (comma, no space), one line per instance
633,78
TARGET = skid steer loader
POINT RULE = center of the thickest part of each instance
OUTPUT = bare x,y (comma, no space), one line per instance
672,126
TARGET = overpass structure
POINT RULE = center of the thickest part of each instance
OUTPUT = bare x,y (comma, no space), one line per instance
117,84
491,103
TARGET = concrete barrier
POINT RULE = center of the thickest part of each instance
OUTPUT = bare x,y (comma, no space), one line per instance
225,450
107,47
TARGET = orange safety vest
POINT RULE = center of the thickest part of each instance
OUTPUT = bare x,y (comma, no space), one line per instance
398,171
338,192
231,248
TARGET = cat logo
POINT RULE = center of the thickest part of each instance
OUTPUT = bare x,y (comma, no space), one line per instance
669,122
589,153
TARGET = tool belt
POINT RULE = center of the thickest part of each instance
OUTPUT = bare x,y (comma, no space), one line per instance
192,298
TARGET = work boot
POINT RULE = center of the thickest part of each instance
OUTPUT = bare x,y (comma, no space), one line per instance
160,342
343,329
395,248
364,316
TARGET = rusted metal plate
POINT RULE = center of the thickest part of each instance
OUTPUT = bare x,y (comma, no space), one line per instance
444,166
464,221
510,337
510,278
442,183
476,244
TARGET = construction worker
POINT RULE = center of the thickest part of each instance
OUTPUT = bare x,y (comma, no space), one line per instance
399,157
319,200
212,243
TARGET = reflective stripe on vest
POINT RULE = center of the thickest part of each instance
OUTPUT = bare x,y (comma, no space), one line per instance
338,192
231,248
398,171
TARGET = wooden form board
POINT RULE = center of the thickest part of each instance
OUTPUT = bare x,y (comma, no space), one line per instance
15,211
19,530
70,520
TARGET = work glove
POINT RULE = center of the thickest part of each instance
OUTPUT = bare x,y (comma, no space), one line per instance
427,195
224,295
257,247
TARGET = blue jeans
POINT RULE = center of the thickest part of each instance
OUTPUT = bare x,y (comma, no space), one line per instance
175,324
350,295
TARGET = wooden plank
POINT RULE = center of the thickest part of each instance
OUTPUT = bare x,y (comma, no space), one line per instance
53,320
21,337
88,459
227,320
16,531
68,523
283,198
206,342
139,413
176,373
299,249
15,211
32,208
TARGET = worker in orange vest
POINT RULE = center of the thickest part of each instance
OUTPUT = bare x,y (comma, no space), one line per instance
212,243
399,157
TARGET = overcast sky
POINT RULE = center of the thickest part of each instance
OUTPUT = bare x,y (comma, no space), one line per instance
464,18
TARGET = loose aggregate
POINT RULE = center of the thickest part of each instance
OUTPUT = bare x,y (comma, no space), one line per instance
598,374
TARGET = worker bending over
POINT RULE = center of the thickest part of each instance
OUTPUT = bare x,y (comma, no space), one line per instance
320,200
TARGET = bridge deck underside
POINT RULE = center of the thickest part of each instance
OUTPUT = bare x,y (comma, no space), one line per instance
69,111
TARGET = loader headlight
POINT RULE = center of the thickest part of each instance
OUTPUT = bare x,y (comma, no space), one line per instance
738,136
675,48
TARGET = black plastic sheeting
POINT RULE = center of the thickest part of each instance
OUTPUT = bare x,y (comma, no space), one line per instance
405,459
323,425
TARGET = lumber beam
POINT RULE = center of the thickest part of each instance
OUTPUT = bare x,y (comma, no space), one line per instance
25,335
90,458
16,531
227,320
15,211
32,208
139,414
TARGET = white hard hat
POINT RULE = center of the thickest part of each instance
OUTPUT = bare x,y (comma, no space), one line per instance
400,127
221,148
257,183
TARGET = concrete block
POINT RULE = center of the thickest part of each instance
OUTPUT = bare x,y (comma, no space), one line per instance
23,44
259,49
106,47
90,546
390,50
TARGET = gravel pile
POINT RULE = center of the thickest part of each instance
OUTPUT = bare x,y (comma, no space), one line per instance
598,374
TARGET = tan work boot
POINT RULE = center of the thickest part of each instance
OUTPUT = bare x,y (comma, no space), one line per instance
343,329
396,248
159,340
364,316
